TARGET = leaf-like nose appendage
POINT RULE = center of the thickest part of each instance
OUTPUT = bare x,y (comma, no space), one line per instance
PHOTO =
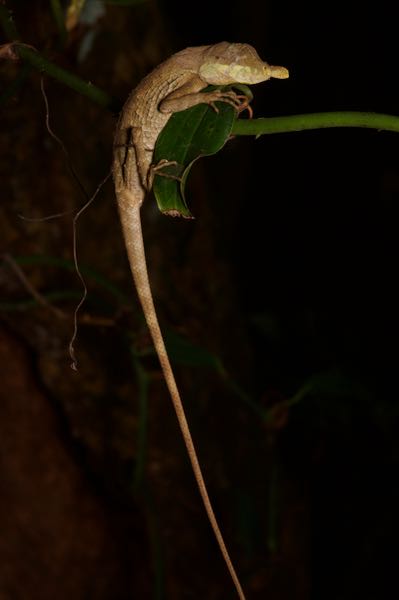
279,72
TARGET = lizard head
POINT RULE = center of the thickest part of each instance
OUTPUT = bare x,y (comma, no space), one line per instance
226,63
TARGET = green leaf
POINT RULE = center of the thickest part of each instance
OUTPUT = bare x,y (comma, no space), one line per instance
188,135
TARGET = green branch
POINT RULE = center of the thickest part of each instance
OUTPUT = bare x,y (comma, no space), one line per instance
255,127
316,121
69,79
29,55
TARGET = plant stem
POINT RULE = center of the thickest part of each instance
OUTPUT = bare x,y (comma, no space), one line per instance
291,123
35,59
86,88
143,381
256,127
69,79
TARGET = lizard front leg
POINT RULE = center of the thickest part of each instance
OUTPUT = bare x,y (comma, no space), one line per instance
189,94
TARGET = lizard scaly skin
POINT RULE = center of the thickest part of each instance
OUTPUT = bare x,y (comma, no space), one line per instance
174,85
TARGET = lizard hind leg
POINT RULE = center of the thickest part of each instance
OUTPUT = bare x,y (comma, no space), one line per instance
158,170
146,169
143,156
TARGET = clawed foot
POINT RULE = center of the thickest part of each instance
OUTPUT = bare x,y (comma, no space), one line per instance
238,101
158,170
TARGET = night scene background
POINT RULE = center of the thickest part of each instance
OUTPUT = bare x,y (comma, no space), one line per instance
278,301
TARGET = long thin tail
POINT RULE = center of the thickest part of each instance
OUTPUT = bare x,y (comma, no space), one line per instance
131,224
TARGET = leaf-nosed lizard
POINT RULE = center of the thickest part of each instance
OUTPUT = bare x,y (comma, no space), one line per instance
174,85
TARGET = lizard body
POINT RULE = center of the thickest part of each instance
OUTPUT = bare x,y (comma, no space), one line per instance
174,85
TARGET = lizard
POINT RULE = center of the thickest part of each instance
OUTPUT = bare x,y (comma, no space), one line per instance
174,85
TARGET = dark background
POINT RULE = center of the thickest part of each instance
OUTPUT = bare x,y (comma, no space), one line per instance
280,305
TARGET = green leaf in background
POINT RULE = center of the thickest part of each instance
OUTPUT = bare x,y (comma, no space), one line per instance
188,135
184,352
